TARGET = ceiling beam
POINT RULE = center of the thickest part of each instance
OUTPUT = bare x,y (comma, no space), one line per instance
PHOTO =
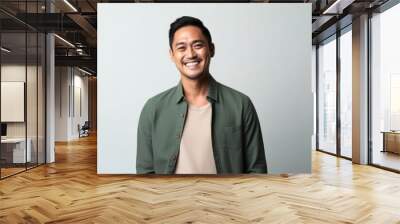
85,61
86,26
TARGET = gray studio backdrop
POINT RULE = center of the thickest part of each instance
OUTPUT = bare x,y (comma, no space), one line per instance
262,50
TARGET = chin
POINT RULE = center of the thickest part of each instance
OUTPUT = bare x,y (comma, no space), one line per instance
193,76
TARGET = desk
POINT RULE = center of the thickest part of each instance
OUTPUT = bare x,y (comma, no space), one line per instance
17,150
391,141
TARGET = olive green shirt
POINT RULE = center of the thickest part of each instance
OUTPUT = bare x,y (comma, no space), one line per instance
235,131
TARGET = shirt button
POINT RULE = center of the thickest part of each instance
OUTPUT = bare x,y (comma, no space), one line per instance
178,136
182,115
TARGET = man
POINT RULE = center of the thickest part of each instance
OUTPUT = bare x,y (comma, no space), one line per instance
200,126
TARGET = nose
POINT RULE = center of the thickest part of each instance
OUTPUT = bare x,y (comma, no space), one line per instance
191,53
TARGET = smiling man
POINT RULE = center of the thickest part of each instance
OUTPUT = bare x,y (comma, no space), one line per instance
199,126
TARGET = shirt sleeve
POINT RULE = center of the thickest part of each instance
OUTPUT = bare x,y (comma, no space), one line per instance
255,161
144,156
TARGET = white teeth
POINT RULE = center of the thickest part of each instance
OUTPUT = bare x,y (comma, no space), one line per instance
191,64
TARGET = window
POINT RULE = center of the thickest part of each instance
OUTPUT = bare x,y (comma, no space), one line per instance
385,89
346,93
327,96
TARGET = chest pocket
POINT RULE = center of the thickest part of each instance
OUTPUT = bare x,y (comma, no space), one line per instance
233,137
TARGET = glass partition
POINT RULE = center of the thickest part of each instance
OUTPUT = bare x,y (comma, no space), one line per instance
14,153
22,63
33,56
41,107
32,95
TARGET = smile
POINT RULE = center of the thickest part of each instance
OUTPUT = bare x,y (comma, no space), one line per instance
192,64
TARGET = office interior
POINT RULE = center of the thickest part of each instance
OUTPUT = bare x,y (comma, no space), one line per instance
32,118
49,83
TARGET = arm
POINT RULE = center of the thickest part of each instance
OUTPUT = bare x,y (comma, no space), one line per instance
144,156
255,161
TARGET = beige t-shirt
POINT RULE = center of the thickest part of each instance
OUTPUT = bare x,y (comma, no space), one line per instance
196,153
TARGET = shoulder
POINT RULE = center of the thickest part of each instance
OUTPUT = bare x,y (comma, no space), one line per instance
161,98
229,94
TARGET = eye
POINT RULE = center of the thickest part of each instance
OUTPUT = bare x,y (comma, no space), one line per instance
180,48
198,46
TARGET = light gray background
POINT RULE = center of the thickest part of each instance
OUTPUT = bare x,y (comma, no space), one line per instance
262,50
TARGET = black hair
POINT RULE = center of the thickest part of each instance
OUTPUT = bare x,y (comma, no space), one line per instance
188,21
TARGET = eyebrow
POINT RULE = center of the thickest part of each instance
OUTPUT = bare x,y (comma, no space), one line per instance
179,43
198,41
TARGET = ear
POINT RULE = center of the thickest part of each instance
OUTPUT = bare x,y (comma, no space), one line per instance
212,49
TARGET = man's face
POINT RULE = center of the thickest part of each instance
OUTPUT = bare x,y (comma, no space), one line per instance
191,52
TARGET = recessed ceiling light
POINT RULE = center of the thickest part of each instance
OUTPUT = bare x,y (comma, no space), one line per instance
84,71
5,50
70,5
64,40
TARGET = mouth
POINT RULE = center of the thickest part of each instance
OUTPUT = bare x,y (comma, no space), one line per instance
191,64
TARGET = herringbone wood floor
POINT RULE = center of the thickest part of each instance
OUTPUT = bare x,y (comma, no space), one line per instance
70,191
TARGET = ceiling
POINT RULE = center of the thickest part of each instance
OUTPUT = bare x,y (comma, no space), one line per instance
76,22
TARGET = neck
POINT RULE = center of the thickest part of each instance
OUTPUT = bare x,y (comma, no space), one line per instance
196,91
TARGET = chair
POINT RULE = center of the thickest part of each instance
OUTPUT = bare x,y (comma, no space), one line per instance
84,130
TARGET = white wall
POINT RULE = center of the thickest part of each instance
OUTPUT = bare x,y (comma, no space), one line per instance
61,103
80,110
262,50
68,82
